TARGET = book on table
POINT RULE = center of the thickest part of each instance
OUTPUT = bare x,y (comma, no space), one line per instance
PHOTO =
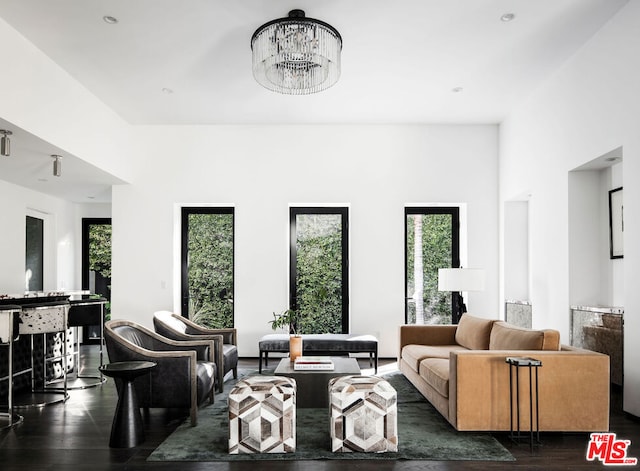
313,363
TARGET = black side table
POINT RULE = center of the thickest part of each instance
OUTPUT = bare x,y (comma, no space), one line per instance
127,430
516,363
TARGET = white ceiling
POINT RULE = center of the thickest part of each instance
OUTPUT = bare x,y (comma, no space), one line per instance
401,59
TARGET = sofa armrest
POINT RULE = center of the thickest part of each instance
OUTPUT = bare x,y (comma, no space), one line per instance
573,390
426,335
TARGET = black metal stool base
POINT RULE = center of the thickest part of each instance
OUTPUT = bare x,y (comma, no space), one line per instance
9,420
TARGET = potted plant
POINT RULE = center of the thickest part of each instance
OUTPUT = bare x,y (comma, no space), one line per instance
289,318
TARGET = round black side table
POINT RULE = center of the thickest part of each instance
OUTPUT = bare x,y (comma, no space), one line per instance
127,430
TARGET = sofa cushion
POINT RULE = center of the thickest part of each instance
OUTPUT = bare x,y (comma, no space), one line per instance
435,371
474,332
505,336
414,354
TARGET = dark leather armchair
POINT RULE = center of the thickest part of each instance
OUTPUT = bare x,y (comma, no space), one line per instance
185,374
176,327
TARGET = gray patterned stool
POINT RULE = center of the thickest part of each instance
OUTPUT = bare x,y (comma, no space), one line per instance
364,414
262,415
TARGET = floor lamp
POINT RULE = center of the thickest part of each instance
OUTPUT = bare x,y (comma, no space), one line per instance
459,280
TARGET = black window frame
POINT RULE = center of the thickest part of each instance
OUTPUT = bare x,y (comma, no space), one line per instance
339,210
454,211
34,251
86,223
185,211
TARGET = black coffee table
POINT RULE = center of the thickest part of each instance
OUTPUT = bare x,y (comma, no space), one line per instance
312,385
127,430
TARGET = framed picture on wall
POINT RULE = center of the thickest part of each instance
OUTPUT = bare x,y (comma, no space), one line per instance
616,223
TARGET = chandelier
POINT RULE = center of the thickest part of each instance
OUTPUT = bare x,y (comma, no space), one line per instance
296,55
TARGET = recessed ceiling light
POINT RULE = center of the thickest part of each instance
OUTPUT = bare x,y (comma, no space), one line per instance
112,20
168,91
612,159
457,89
91,197
507,17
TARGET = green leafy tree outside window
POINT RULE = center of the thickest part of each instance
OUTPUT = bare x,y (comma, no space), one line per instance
210,272
435,251
100,254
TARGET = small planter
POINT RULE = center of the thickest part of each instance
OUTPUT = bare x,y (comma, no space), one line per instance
289,320
295,347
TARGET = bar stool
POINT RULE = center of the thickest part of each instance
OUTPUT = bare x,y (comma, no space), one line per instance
9,331
85,313
42,318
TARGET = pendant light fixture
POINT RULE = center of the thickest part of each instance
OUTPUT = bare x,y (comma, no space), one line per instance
57,165
296,55
5,143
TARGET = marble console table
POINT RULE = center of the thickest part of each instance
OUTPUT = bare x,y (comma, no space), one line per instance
600,329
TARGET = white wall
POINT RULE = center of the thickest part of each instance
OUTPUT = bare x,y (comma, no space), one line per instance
587,286
594,278
588,108
614,269
60,239
516,250
261,170
40,97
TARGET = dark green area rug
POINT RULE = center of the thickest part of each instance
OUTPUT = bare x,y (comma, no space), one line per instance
423,434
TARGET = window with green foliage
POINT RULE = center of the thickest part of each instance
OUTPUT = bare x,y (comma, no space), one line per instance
96,265
431,242
100,249
208,266
318,269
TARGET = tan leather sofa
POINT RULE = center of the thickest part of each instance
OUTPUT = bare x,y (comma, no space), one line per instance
461,370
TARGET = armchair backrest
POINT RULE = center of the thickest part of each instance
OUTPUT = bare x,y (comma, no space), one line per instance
135,336
168,325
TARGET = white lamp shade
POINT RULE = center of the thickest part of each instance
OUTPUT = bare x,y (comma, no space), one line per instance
460,279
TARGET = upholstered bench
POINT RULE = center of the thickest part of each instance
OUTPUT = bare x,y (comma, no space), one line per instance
363,414
262,415
321,344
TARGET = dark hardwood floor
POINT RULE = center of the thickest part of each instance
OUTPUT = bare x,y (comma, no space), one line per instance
75,436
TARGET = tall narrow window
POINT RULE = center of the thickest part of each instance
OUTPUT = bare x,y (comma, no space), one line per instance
319,284
208,266
96,256
431,242
96,266
34,260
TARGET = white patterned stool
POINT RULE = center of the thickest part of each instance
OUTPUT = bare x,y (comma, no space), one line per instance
262,415
364,414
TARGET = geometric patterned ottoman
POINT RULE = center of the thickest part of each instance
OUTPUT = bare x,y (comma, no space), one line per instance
364,414
262,415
